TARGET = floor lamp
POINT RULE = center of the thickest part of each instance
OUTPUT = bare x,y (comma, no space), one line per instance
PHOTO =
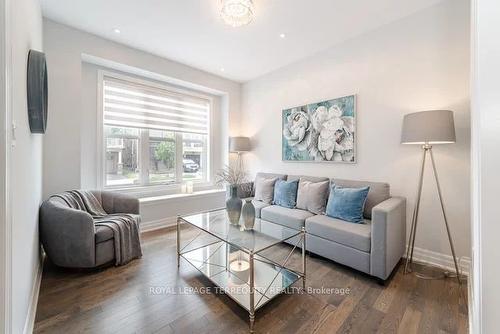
427,128
239,145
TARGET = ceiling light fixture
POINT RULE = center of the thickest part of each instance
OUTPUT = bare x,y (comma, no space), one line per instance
282,35
237,13
116,31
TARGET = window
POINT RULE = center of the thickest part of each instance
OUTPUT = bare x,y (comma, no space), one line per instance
153,135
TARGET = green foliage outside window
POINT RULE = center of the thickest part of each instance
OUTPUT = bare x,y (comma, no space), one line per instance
165,151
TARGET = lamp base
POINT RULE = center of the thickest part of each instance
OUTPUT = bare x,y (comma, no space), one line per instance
435,276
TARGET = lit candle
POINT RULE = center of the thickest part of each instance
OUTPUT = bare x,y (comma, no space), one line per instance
240,269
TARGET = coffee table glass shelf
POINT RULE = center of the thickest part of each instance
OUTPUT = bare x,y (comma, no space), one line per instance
236,259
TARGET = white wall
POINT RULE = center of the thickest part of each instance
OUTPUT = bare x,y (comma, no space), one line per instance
26,164
486,164
417,63
67,163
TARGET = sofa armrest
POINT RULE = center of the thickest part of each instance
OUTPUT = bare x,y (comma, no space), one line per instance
67,235
114,202
388,236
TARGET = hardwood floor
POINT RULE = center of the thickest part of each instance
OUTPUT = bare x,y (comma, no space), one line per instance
120,300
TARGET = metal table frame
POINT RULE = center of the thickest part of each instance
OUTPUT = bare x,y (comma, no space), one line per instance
253,256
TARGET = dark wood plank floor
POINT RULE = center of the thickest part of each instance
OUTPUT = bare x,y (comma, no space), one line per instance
120,300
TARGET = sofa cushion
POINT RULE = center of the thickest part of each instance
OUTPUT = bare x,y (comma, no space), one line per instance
271,176
293,218
378,193
266,176
285,193
259,205
357,236
307,178
347,203
264,189
311,196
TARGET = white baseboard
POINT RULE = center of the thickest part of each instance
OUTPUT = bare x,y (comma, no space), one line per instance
441,260
35,291
158,224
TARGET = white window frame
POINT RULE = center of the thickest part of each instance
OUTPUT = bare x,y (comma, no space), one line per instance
208,178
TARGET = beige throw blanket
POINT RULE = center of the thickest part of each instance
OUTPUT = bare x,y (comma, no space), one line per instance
125,228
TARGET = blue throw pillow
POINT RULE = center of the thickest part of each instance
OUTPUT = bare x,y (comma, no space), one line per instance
347,203
285,193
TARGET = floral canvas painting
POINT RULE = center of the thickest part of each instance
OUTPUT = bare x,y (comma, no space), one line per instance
323,131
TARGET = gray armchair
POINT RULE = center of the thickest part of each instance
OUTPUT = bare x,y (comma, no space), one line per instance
69,236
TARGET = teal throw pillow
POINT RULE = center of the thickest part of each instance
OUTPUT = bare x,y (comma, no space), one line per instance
285,193
347,203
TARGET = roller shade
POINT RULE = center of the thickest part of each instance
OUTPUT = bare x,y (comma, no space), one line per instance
128,104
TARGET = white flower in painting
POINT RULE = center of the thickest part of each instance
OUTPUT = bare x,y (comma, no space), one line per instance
297,130
336,133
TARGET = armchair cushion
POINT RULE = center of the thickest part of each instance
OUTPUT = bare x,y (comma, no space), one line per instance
103,233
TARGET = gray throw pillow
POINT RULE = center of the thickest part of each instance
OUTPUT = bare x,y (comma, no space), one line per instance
312,196
264,189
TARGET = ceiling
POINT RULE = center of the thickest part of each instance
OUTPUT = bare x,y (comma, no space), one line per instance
192,32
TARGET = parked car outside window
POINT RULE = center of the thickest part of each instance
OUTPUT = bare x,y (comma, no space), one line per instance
190,166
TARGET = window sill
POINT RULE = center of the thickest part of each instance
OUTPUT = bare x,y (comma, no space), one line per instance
160,190
153,199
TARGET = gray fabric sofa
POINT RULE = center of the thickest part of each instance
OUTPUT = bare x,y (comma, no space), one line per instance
374,247
69,236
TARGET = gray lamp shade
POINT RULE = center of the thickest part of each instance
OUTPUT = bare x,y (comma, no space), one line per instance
239,144
428,127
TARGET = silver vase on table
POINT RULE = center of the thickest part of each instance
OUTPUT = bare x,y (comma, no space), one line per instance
233,205
248,213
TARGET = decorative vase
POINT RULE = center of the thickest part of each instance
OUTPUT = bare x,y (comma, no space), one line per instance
233,205
248,214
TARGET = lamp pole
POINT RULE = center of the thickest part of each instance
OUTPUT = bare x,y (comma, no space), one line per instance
426,148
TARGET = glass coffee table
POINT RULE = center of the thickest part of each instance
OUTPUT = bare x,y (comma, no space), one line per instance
236,260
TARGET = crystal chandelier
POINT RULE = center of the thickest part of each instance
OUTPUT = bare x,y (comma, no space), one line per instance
237,12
